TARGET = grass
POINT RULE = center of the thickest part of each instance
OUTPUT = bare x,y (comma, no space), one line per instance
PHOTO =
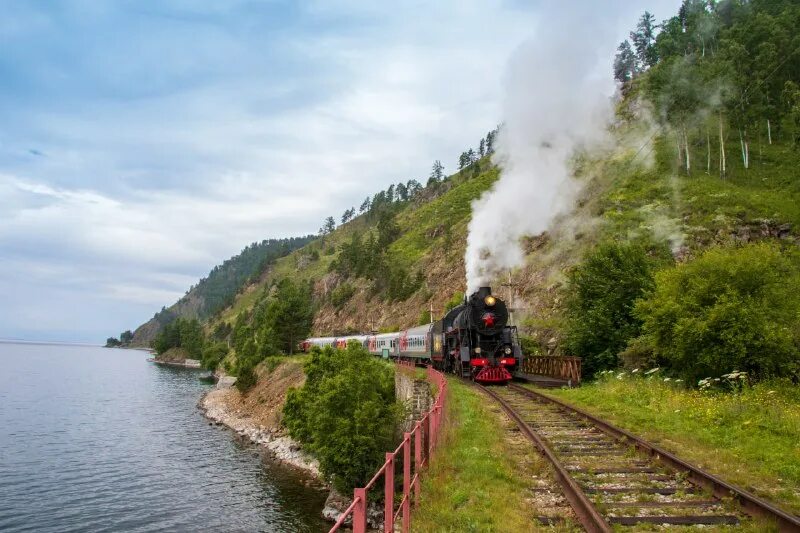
748,438
473,483
447,213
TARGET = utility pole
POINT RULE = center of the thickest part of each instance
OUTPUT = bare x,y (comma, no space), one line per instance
511,291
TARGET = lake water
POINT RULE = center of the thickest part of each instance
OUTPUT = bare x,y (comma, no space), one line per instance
95,439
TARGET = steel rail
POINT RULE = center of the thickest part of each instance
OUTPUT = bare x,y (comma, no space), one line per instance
587,514
749,503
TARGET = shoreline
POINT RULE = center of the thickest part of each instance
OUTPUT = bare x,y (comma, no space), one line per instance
187,363
282,448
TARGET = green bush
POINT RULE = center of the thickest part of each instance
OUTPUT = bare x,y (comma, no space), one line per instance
247,358
424,317
529,346
602,292
455,301
345,413
732,308
181,333
213,354
246,377
342,294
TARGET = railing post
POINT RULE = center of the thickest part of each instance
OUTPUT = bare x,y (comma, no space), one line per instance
388,494
406,481
360,511
428,438
438,411
417,459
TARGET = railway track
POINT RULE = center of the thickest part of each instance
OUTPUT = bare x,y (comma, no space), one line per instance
613,479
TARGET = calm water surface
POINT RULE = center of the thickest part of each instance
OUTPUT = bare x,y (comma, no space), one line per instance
95,439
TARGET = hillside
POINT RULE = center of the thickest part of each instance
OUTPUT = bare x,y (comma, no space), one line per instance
219,288
625,194
684,168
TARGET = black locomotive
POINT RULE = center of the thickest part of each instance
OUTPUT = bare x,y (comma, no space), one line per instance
477,340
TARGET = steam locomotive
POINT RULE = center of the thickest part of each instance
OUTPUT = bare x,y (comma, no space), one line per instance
472,340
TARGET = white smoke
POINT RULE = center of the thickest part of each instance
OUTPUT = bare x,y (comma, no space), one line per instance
557,102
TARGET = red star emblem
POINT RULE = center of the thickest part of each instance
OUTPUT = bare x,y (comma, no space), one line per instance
488,320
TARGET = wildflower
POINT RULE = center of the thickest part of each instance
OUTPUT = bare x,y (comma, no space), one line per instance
771,392
678,381
635,370
652,371
666,379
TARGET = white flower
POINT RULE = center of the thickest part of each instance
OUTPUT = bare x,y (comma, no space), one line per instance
635,370
666,379
771,392
652,371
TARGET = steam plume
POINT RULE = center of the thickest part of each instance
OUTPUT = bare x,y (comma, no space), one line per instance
557,101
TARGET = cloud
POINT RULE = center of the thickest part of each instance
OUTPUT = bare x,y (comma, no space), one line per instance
177,132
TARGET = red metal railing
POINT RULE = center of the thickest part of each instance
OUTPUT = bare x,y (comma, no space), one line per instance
420,443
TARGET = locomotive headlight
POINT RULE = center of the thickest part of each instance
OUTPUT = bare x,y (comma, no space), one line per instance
489,301
478,349
508,350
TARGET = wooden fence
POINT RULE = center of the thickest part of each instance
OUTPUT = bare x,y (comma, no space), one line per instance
566,368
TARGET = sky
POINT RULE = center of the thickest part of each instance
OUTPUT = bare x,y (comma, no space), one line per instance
142,142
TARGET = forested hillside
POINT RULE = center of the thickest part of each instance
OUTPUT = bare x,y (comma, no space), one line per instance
219,288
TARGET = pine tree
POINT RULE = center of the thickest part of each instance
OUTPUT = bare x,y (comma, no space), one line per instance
490,140
347,215
644,42
364,205
624,63
329,226
482,148
437,171
413,187
463,161
401,192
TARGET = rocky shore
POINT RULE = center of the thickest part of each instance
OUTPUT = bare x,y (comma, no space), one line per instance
255,416
186,363
216,406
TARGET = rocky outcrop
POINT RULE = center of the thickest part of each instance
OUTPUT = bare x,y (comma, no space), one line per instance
337,503
176,357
